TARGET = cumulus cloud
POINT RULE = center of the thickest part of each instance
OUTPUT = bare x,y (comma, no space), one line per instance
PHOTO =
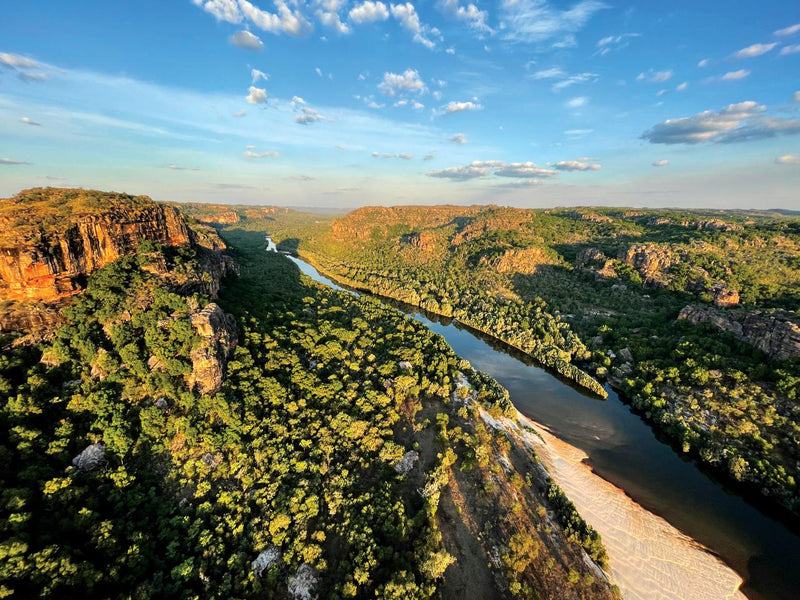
460,173
791,30
29,121
470,14
735,75
524,170
257,75
408,18
286,20
537,21
755,50
459,138
11,161
328,14
454,107
395,84
429,156
788,159
791,49
735,123
654,76
257,95
245,39
308,115
575,165
368,12
223,10
661,163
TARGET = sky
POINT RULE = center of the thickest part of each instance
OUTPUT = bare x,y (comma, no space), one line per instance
342,103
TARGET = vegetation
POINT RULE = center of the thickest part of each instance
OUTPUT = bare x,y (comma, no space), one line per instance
285,478
599,291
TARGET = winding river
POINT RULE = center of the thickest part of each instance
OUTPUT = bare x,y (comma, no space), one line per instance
608,459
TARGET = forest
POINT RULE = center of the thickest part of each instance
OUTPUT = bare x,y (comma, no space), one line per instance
599,296
340,458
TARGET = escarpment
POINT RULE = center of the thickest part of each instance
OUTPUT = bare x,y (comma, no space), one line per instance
52,239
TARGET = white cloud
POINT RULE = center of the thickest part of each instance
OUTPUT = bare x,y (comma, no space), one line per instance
655,76
661,163
328,14
578,132
704,63
417,105
683,86
537,21
318,71
394,84
286,20
407,16
248,41
735,75
368,12
614,42
791,30
223,10
429,156
577,102
29,121
755,50
454,107
400,155
257,95
788,159
15,61
791,49
470,14
251,152
735,123
575,165
297,101
460,173
11,161
524,170
459,138
257,75
175,167
308,115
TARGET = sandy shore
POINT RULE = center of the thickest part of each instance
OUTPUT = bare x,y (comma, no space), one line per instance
648,558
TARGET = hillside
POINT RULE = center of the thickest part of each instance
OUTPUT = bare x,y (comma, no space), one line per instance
692,314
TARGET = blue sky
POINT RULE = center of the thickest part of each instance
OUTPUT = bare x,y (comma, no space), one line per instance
352,102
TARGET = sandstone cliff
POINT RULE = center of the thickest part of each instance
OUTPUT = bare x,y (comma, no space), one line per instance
775,332
52,239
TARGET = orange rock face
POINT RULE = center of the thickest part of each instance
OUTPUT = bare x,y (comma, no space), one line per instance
46,256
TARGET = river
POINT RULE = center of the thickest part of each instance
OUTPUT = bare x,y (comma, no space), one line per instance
624,451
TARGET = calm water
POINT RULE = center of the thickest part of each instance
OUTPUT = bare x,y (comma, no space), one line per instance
624,450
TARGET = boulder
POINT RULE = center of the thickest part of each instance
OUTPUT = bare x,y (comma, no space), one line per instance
218,334
303,584
91,457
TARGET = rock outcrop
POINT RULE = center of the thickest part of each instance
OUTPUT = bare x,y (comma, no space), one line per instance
521,260
651,260
775,332
51,239
218,336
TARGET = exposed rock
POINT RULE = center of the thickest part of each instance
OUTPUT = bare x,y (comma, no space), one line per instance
521,260
303,584
724,296
717,225
405,365
162,403
626,355
425,240
46,255
218,334
91,457
657,221
595,260
265,560
37,318
223,218
407,463
651,261
775,332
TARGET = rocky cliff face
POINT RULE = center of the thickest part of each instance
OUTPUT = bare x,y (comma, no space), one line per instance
46,256
218,335
775,332
651,261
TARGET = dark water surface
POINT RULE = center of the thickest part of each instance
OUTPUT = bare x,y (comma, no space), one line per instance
624,450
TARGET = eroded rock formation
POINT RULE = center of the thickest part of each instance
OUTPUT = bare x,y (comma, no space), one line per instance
775,332
218,336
